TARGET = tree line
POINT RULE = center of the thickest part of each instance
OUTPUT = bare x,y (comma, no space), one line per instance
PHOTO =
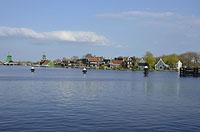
189,59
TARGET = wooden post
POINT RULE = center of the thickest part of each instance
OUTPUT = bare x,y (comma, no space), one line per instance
194,72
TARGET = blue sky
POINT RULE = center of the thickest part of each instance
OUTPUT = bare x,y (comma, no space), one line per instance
62,28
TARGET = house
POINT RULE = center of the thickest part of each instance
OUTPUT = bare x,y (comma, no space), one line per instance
116,63
9,60
179,65
130,62
161,65
44,62
106,61
142,63
94,62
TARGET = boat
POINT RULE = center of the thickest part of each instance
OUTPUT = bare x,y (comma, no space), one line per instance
32,69
84,70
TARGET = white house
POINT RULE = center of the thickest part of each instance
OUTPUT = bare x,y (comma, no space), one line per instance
161,65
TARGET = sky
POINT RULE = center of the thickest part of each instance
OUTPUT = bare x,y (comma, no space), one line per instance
64,28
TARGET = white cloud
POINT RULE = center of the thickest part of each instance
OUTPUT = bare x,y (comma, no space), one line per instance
137,14
157,17
68,36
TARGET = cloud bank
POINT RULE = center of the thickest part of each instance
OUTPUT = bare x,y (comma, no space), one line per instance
66,36
149,16
137,14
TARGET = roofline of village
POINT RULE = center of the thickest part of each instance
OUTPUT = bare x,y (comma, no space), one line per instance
90,61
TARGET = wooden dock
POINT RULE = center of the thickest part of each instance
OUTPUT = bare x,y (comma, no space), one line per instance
189,72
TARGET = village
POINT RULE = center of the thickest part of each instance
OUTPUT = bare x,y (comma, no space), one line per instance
170,62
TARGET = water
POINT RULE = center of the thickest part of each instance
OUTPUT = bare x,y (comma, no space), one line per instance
60,100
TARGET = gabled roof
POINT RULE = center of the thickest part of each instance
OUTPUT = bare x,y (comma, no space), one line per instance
116,62
44,62
179,62
161,62
142,61
94,59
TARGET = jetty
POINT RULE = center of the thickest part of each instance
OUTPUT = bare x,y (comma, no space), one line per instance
189,72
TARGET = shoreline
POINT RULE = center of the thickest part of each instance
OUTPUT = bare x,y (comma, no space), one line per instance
59,67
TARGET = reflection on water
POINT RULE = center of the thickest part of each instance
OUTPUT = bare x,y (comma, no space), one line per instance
177,86
65,99
167,85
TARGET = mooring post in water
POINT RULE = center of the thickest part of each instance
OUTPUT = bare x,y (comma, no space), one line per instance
181,72
32,69
192,72
195,72
146,70
84,70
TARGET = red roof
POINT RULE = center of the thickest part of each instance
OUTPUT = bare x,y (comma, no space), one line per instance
95,59
44,62
116,62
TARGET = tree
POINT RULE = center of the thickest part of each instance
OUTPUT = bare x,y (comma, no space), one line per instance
65,61
87,55
74,58
190,58
171,60
150,59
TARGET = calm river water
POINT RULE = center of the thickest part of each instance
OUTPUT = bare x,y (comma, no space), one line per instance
60,100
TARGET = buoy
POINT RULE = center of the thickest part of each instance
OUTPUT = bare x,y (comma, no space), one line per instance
84,70
146,68
32,69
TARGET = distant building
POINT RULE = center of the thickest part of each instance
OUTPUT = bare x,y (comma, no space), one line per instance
142,63
130,62
44,62
9,60
116,63
106,62
94,62
161,65
179,64
1,63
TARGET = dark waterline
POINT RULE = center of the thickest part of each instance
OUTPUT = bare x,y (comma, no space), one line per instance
60,100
